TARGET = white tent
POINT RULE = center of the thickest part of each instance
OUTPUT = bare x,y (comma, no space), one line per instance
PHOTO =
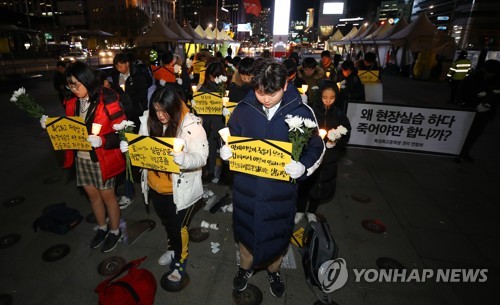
183,36
157,33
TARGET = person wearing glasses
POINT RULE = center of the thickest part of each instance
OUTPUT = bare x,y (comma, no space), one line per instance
96,170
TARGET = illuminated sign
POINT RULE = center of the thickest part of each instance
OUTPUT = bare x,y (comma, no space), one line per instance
333,8
281,17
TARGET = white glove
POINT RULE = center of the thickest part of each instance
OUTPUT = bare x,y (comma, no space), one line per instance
43,121
191,76
482,93
179,81
95,141
295,169
225,152
330,144
178,157
225,111
162,82
123,146
304,98
193,103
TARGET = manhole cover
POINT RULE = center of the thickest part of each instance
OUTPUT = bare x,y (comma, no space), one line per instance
347,162
13,201
198,234
111,265
373,226
349,176
9,240
250,296
360,198
6,299
389,263
55,253
150,222
90,218
170,286
51,180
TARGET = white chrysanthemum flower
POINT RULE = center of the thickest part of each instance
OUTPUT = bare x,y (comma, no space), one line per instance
189,63
342,130
223,78
17,93
309,123
295,123
123,125
177,68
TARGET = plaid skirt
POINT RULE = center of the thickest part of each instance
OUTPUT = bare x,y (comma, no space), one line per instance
89,173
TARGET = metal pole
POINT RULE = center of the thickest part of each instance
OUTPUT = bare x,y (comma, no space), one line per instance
27,13
216,20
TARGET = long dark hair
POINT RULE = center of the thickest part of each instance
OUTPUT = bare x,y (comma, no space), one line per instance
84,74
168,100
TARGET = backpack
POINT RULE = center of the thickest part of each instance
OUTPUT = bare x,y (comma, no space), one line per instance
318,247
137,287
58,218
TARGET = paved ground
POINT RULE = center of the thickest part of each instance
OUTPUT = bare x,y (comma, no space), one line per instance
437,214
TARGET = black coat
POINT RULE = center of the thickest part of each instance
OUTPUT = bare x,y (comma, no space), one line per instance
264,209
321,185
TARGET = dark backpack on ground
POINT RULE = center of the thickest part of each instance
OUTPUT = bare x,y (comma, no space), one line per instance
58,218
318,247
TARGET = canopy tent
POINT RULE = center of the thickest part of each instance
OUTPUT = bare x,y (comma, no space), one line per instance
382,37
183,36
418,35
223,36
367,31
209,33
157,33
337,36
201,32
378,32
347,38
197,37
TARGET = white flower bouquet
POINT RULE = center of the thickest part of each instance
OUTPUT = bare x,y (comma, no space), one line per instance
121,129
334,134
27,103
299,131
220,81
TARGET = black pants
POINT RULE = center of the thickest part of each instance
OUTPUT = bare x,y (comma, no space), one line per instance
174,221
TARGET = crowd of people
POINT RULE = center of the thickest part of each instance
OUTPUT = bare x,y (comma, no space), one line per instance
158,98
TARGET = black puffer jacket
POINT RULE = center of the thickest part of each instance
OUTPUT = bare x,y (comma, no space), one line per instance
322,184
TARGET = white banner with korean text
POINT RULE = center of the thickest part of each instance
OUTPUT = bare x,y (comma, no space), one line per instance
400,127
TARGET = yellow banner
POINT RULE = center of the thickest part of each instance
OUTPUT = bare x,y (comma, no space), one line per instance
208,103
263,158
368,77
230,106
152,152
68,133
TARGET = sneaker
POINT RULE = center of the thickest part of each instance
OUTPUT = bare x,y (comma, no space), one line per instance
229,208
166,258
298,217
277,286
99,238
111,242
125,202
241,279
311,217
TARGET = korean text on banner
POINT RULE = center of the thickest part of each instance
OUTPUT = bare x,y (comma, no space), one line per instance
401,127
263,158
152,152
208,103
68,133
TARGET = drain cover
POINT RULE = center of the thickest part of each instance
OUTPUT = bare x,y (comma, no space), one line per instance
9,240
150,222
389,263
373,226
111,265
51,180
55,253
198,234
13,201
250,296
170,286
6,299
360,198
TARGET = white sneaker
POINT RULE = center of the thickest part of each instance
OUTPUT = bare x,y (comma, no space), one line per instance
166,258
229,208
125,202
298,217
311,217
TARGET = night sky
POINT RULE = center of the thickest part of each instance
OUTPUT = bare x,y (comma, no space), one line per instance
298,7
